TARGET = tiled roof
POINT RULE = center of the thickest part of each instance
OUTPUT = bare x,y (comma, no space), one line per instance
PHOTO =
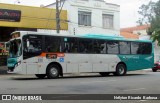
131,29
129,35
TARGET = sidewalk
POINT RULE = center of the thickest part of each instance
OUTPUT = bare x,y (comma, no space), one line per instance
3,70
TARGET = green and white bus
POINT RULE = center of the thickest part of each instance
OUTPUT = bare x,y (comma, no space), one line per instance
53,55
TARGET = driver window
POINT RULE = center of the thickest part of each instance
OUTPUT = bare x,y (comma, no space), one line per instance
33,44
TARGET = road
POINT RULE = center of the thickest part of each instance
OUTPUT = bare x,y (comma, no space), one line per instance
137,82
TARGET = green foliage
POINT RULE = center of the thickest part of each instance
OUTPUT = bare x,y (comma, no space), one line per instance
151,15
147,13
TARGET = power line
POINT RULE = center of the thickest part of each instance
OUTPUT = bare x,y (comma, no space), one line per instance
62,6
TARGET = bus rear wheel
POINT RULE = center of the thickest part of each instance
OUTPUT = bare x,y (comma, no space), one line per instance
103,74
52,72
40,76
120,70
154,70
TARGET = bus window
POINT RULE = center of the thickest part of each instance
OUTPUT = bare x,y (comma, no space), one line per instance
32,46
74,45
70,45
141,48
52,44
124,47
112,47
100,46
85,46
135,48
146,48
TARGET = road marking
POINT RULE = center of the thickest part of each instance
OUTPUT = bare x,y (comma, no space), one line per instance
143,100
97,82
135,89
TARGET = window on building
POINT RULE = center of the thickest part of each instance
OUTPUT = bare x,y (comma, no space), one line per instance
84,18
124,47
100,46
108,21
112,47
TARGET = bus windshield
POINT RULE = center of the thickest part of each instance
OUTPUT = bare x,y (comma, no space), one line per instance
15,48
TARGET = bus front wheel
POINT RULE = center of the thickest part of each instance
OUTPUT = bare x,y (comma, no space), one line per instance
120,70
40,76
52,71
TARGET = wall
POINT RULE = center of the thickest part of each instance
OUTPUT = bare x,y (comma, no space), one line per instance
141,32
33,17
97,8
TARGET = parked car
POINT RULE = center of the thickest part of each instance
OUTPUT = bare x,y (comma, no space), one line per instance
156,66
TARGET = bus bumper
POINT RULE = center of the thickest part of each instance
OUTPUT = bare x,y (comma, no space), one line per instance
15,70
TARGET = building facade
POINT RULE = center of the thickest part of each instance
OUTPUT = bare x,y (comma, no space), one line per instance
28,18
141,31
90,17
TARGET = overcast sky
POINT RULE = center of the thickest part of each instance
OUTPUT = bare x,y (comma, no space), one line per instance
128,8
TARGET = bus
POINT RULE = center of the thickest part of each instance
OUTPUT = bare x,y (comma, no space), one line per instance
53,55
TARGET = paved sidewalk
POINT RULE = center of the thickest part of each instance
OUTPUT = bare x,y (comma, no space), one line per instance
3,70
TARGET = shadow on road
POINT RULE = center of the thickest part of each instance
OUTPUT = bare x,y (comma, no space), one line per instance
75,77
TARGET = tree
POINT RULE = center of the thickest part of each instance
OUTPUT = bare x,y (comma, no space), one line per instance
151,15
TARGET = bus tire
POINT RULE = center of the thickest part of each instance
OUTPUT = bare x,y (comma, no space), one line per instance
154,70
103,74
40,76
52,71
120,70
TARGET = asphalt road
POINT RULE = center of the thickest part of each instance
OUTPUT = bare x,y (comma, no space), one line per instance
137,82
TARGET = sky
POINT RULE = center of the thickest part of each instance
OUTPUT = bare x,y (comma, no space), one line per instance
128,8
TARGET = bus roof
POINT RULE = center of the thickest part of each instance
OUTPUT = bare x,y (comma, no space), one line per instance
94,36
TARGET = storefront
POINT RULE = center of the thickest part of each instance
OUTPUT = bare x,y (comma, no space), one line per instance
17,17
3,54
26,18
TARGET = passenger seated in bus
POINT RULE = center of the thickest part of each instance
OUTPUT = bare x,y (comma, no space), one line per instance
31,48
48,49
66,49
82,48
74,49
103,48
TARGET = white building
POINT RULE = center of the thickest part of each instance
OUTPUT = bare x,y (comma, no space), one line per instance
90,17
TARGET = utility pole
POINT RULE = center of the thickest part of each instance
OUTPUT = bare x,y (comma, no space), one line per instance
57,17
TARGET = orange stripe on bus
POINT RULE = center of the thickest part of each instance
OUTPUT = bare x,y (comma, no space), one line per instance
58,54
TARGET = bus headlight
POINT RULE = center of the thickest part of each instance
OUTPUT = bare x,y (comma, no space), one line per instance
18,64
